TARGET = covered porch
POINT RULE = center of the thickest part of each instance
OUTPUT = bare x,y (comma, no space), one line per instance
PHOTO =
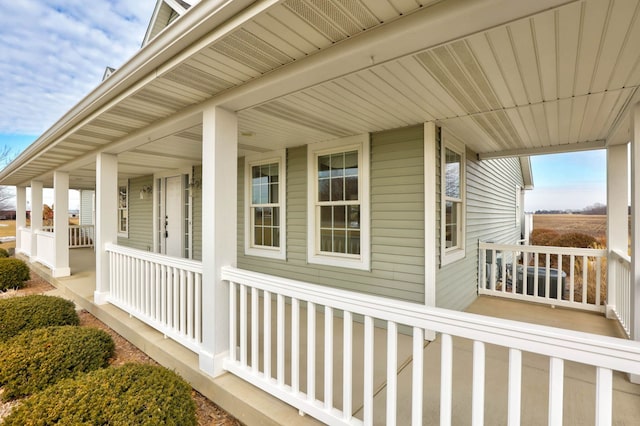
579,393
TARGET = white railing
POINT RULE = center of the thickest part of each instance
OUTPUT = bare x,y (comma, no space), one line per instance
25,240
620,273
164,292
535,273
252,328
80,236
45,248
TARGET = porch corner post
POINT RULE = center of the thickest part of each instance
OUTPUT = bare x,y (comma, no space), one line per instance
36,217
635,227
617,216
21,215
430,149
61,224
106,227
219,242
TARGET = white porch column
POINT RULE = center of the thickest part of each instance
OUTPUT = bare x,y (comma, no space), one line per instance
21,215
219,206
617,213
36,216
61,224
106,227
635,224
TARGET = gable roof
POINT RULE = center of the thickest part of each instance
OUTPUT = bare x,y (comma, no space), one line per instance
164,14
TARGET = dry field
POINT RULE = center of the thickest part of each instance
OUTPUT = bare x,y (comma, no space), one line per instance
594,225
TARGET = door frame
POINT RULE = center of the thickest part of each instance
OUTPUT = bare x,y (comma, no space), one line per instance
159,246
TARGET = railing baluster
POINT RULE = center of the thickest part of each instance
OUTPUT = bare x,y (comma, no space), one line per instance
392,372
547,276
416,377
267,334
477,404
233,306
243,325
446,383
556,394
347,365
311,351
198,310
368,371
280,353
182,303
585,269
598,276
295,345
604,396
328,358
572,270
515,387
190,304
559,278
255,333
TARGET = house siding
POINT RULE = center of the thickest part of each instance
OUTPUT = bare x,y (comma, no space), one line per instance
490,216
140,216
196,210
397,222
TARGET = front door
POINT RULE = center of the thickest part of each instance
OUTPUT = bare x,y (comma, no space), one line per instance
173,219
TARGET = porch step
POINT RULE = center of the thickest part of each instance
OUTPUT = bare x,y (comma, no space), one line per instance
248,404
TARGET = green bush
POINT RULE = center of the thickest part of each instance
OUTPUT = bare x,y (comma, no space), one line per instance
13,273
3,253
37,359
133,394
20,314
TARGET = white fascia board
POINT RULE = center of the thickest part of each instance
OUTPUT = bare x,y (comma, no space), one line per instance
543,150
527,172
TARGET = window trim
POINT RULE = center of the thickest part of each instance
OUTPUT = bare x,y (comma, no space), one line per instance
361,143
279,157
452,254
125,233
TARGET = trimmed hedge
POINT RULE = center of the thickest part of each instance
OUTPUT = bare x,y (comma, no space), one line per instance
37,359
132,394
13,273
19,314
3,253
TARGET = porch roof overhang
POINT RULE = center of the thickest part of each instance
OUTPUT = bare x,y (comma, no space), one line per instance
510,78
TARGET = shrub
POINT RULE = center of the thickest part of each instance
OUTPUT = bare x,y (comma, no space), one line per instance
3,253
542,236
13,273
20,314
133,394
37,359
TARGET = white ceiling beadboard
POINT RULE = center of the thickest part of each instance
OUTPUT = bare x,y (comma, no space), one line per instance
550,80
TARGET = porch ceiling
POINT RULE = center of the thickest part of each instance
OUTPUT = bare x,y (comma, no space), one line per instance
554,80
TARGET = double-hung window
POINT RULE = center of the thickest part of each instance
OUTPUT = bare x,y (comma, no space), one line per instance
338,197
452,202
265,206
123,210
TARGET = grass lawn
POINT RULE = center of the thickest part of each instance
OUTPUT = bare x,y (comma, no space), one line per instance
8,229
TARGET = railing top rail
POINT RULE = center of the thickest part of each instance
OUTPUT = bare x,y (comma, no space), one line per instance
176,262
544,249
44,234
621,255
602,351
81,226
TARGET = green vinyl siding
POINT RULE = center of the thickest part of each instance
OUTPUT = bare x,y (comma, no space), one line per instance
490,216
140,216
197,214
397,222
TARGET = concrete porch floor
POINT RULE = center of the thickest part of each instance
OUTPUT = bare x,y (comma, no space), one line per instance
252,406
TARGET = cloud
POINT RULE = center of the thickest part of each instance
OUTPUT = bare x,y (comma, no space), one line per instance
56,51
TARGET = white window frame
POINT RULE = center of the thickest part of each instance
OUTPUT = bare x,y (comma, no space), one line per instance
314,255
250,249
123,233
452,254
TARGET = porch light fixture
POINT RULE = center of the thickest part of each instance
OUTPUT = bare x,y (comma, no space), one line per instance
195,184
146,190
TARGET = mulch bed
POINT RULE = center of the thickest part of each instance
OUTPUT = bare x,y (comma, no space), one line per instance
207,413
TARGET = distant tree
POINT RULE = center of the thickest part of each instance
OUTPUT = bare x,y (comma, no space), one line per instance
7,194
596,208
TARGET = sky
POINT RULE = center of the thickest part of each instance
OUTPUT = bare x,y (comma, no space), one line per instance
54,52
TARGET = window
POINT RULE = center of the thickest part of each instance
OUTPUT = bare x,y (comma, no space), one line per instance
338,210
123,210
452,202
265,206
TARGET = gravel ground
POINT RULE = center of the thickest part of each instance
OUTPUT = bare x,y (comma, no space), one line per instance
208,413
